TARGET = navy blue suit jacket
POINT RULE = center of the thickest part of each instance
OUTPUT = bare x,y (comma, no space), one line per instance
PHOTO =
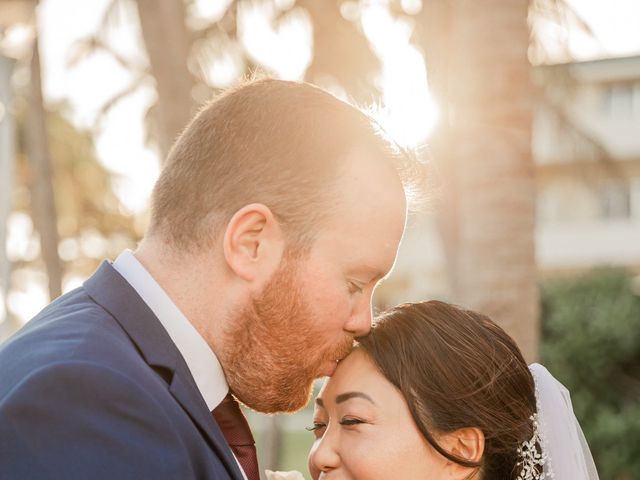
94,388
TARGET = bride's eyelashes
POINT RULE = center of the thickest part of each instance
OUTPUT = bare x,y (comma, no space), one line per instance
317,429
348,422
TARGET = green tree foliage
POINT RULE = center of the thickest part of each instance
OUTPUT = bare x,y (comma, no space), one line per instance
591,343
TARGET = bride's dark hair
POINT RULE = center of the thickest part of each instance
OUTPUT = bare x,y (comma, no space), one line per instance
456,368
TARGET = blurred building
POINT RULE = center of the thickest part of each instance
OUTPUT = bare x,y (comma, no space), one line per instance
586,147
587,152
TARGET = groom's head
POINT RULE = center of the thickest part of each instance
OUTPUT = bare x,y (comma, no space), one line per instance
296,202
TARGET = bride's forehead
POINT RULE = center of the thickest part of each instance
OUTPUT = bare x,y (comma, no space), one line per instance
351,372
330,388
322,392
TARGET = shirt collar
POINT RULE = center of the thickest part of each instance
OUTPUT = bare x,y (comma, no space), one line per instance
201,360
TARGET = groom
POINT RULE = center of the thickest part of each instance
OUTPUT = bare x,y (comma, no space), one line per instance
278,211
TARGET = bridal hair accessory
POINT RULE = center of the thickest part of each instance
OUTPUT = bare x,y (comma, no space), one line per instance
531,459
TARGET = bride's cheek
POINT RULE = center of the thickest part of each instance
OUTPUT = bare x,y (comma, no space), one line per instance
359,454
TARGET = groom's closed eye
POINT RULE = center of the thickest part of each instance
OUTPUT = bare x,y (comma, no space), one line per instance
354,288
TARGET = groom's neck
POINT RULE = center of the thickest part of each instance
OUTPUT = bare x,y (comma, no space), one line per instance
196,283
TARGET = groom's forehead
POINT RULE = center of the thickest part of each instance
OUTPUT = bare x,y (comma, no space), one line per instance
372,214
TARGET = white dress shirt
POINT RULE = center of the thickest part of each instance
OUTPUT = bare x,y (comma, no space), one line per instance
201,360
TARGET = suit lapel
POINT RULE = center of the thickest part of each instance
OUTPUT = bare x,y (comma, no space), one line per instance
182,388
110,290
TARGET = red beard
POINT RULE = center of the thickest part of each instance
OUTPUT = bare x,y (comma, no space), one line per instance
275,349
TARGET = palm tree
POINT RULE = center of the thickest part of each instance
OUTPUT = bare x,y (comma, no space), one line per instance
44,206
476,54
7,153
167,43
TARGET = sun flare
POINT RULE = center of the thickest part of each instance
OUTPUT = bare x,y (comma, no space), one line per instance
409,111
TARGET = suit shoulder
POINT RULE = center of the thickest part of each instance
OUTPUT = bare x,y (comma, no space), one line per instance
77,381
71,328
78,418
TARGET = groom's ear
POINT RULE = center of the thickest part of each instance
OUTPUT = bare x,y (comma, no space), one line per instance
253,243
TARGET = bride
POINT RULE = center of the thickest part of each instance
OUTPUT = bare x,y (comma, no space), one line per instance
439,392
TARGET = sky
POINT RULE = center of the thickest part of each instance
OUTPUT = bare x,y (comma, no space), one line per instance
616,25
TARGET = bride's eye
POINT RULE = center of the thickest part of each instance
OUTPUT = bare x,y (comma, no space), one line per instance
350,421
317,428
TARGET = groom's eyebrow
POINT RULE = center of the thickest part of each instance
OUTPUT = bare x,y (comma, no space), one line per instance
343,397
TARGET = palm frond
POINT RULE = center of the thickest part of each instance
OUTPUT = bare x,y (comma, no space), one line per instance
87,46
133,86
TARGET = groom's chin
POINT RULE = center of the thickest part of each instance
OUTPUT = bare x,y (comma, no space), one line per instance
288,400
298,400
328,369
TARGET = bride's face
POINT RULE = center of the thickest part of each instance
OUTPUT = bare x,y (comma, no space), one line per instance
364,429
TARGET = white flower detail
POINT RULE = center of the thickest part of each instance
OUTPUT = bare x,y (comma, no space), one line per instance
293,475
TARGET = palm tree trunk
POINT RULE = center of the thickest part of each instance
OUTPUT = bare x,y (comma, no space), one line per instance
167,41
43,200
488,103
7,157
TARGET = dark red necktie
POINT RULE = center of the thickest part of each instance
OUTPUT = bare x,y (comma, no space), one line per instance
236,431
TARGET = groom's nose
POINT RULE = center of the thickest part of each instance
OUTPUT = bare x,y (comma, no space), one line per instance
359,324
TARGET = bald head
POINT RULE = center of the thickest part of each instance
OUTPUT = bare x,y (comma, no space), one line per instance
282,144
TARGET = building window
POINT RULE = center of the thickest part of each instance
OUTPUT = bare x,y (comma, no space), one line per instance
618,99
634,199
636,99
615,200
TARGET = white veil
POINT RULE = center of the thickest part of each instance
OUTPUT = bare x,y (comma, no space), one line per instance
568,455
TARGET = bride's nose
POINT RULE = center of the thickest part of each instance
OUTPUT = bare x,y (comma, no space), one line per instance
323,456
